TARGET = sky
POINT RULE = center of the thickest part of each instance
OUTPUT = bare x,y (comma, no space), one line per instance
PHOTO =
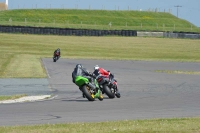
189,9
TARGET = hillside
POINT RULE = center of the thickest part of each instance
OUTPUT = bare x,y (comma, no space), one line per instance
96,19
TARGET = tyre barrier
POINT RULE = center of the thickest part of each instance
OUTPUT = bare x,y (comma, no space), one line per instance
65,31
87,32
181,35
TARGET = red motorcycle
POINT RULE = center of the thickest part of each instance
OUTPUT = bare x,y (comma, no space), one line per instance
108,85
56,56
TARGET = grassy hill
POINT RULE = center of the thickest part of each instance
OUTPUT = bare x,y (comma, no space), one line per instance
96,19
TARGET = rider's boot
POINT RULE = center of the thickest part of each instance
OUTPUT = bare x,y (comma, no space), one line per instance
100,96
83,95
117,93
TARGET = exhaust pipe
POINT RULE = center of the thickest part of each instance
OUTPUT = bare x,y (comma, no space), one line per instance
91,85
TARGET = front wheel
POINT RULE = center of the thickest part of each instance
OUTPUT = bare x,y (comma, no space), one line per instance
108,92
54,59
87,93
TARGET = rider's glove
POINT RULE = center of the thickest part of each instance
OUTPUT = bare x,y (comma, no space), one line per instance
111,75
89,73
93,75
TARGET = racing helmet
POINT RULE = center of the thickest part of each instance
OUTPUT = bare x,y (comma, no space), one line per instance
96,67
79,66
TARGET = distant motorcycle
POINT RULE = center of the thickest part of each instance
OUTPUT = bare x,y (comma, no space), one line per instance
108,85
56,57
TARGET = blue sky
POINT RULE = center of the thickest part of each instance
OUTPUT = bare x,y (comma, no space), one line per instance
189,11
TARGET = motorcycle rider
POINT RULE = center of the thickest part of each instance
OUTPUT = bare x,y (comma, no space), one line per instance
98,71
79,70
57,53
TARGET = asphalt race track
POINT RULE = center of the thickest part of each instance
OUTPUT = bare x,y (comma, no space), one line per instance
146,94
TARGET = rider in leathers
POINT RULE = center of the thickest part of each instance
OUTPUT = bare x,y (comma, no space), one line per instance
80,71
98,71
57,53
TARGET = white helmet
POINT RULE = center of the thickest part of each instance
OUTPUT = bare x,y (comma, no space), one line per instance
96,67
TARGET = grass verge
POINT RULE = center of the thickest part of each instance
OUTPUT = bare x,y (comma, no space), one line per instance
178,72
2,98
182,125
24,66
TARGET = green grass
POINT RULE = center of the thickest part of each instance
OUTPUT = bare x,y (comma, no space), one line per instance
2,98
178,72
96,19
183,125
21,54
25,66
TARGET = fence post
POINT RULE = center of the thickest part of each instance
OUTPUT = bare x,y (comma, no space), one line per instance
67,23
191,27
25,21
10,20
163,26
110,24
174,27
141,25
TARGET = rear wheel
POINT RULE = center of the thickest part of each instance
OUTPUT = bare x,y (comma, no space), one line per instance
87,93
108,92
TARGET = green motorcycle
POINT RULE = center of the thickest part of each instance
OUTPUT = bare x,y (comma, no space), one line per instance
90,89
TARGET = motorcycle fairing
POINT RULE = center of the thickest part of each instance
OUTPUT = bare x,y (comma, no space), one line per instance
79,81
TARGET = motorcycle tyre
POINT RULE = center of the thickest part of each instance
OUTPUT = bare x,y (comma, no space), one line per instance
54,59
108,92
87,93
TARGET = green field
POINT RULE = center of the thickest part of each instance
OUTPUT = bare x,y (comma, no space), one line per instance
21,54
97,19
